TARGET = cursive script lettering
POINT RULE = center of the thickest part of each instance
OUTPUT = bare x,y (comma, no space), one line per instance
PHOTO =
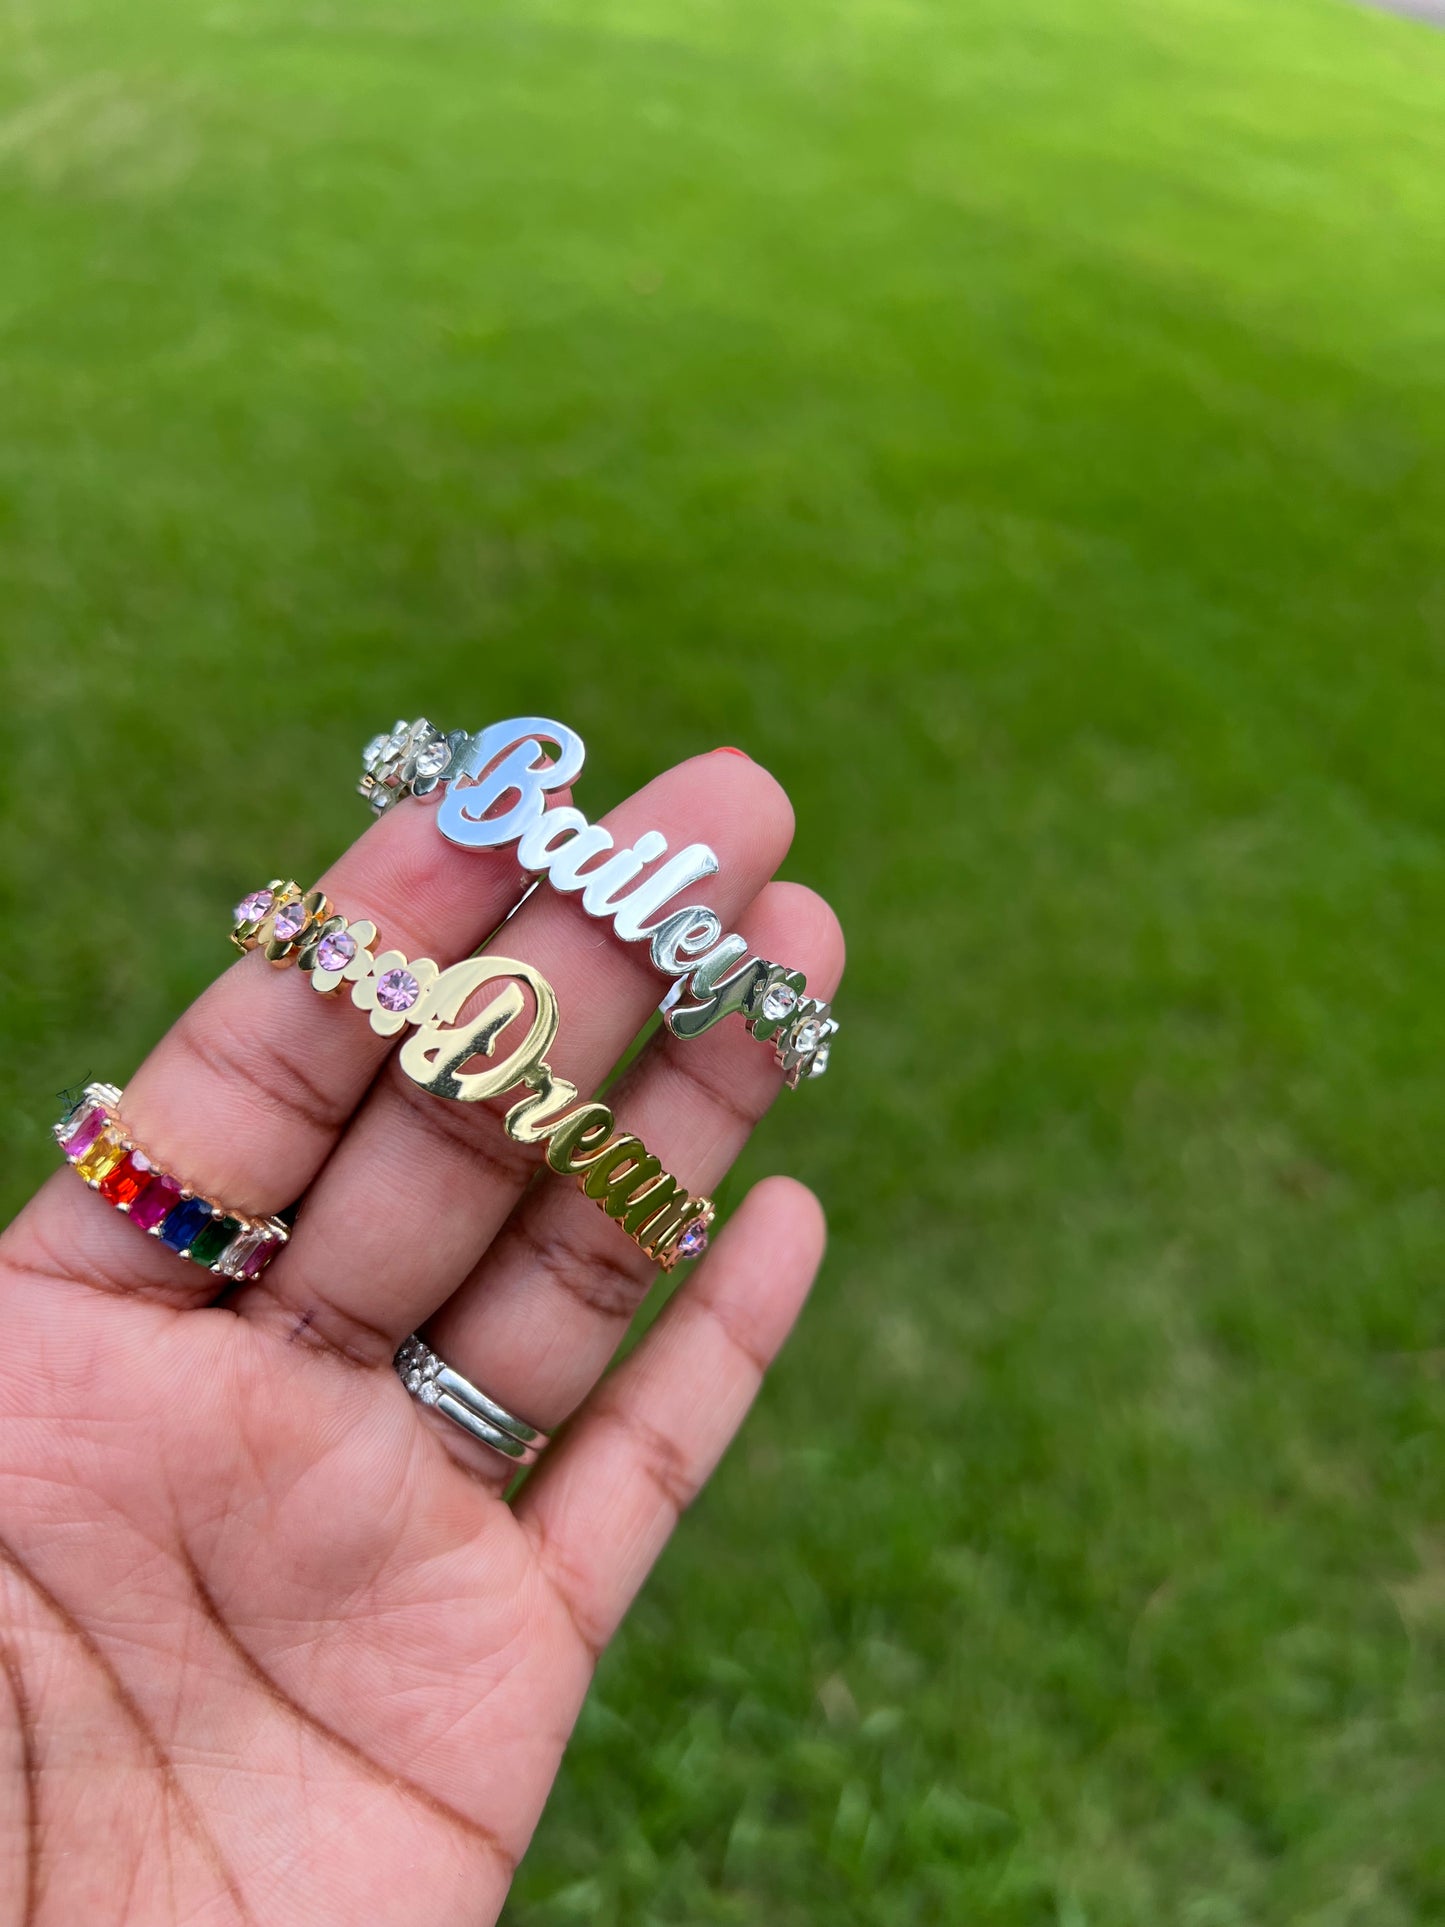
508,761
613,1168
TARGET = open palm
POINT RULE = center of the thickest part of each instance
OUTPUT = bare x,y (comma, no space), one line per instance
272,1646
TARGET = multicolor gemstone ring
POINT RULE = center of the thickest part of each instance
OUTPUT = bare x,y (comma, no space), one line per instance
102,1150
714,975
435,1384
291,926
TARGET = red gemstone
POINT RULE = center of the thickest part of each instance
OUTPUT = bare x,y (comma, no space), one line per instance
153,1205
124,1184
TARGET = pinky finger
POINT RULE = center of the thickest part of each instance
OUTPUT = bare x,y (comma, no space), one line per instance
603,1505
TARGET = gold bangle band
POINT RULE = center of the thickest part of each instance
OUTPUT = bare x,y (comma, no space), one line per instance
292,926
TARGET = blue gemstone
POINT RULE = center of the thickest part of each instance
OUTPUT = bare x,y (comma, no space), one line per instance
185,1223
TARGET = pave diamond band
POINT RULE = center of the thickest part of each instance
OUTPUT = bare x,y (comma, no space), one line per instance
434,1383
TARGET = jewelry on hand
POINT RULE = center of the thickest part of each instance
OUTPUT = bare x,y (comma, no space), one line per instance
663,1219
437,1385
105,1154
715,975
408,760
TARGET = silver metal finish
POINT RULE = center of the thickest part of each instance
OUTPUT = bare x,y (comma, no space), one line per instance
107,1094
434,1383
507,773
410,759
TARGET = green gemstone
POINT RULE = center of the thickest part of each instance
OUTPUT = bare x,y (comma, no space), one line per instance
212,1239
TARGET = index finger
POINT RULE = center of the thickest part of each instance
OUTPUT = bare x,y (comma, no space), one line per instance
245,1096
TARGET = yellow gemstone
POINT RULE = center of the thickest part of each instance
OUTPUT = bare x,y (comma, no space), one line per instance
106,1152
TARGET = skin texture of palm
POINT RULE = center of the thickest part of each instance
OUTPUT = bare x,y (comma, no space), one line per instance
273,1646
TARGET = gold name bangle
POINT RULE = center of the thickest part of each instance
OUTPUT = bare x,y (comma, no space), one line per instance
582,1140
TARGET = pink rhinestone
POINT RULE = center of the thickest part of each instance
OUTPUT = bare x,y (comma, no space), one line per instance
397,990
693,1242
154,1203
251,909
82,1132
336,952
258,1260
290,918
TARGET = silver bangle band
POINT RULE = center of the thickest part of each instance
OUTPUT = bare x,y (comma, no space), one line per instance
714,974
433,1382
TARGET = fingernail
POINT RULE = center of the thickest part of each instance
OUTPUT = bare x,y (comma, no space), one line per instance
728,750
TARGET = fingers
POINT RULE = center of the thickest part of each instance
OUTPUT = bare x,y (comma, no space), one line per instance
246,1095
258,1077
540,1317
420,1185
601,1508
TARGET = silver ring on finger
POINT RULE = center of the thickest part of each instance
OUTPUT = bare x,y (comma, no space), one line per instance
431,1381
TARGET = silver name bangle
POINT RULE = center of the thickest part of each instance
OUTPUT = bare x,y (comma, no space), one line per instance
714,975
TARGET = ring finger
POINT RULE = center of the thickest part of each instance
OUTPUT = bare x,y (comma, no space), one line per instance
538,1320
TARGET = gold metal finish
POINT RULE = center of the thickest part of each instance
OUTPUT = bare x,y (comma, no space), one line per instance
581,1140
281,950
246,933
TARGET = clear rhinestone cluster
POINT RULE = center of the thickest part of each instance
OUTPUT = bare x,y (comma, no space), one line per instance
409,758
803,1047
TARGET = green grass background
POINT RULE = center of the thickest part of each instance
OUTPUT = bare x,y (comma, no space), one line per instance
1019,423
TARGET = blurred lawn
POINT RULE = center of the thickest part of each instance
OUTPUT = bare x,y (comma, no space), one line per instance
1018,423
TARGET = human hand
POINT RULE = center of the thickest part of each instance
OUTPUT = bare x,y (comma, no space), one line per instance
273,1649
